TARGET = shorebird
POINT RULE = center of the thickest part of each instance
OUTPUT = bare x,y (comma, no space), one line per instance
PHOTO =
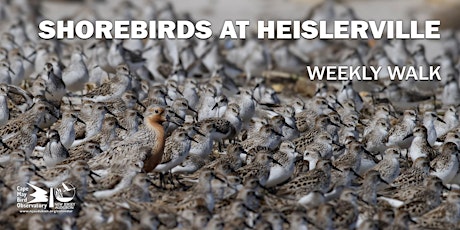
66,128
388,167
428,122
419,200
445,216
451,120
55,87
92,114
4,110
76,74
145,145
321,123
420,146
54,152
376,139
17,66
286,156
266,137
131,121
259,169
316,179
399,132
247,104
177,147
445,165
5,72
107,134
113,89
25,139
414,175
84,151
314,109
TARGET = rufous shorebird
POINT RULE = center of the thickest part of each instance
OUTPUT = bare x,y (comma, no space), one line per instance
153,123
145,145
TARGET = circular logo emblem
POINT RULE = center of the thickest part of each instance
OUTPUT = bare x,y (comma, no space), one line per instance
65,192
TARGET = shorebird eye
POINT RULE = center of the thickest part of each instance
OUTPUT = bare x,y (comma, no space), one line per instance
156,110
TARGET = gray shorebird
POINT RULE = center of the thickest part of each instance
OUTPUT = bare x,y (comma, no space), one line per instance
113,89
54,152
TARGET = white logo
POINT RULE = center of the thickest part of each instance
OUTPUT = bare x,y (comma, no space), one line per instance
32,198
65,193
40,195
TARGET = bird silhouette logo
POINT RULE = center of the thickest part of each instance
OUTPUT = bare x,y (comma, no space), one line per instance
39,195
65,192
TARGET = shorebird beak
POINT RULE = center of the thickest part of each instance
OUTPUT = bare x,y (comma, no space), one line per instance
440,120
408,136
334,124
9,69
91,175
26,59
336,168
288,125
140,115
277,133
51,113
191,138
384,181
140,103
432,169
361,199
338,103
218,178
191,109
121,127
331,108
249,208
178,125
5,145
445,187
5,185
99,148
31,54
317,91
215,106
91,172
356,174
78,119
92,46
275,161
40,176
198,132
109,112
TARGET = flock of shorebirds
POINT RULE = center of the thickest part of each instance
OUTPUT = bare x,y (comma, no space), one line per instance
192,134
